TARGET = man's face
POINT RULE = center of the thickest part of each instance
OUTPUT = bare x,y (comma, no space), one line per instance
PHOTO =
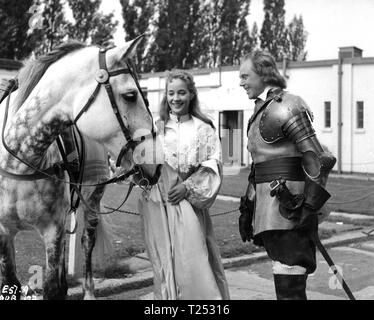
250,81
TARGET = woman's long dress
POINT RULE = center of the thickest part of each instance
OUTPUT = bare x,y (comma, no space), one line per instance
179,238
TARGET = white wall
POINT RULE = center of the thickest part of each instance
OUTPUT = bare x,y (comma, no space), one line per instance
7,74
362,139
315,84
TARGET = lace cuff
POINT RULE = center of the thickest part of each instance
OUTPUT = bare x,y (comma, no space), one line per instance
202,187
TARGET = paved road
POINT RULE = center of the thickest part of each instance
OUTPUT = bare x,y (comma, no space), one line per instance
255,282
355,261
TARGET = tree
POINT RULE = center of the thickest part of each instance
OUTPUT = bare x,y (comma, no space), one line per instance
51,29
91,25
254,36
182,16
137,17
171,32
105,26
273,32
297,37
223,32
189,33
201,48
244,42
14,23
218,19
159,56
170,28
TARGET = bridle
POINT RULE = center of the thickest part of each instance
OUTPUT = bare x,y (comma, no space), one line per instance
102,77
55,172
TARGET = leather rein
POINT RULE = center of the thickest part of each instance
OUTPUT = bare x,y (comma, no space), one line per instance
55,172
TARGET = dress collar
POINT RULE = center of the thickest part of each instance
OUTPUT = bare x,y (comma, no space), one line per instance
180,119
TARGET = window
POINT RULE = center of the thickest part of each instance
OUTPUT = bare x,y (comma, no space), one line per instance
360,115
327,114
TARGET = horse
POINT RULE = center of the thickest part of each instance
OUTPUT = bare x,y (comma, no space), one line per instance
62,89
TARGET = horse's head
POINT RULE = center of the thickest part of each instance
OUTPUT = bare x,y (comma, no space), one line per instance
112,109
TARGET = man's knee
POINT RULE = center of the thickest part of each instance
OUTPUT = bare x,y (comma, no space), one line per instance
280,268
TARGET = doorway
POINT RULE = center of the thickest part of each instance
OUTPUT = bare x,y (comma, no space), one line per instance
231,135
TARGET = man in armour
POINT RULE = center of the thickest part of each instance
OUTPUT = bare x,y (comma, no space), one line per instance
286,190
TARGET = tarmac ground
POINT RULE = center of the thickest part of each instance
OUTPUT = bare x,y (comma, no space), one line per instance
250,276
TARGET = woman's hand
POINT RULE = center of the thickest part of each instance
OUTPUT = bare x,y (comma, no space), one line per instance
177,194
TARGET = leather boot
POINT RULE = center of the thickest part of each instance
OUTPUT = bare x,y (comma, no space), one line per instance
290,287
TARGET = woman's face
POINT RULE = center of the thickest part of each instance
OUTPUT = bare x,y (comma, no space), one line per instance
178,97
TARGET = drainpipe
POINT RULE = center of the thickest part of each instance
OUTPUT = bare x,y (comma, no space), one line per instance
340,123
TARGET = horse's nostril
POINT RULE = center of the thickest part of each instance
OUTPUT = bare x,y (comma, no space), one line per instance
130,96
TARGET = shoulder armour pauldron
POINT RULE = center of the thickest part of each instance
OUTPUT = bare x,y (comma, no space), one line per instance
278,113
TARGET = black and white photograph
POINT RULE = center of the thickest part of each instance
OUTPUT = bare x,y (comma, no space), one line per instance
209,152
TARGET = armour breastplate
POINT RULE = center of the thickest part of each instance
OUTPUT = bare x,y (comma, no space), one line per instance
262,151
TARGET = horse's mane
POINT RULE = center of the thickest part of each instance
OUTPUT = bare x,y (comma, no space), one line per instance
34,69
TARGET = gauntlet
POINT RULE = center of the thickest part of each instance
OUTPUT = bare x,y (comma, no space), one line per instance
246,209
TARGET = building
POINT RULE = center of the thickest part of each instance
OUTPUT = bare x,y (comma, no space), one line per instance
338,92
9,68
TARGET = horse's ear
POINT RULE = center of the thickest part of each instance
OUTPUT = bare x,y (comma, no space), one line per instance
129,49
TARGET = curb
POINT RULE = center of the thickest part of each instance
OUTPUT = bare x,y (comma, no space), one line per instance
362,177
105,287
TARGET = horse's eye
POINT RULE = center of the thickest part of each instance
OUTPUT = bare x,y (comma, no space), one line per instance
130,96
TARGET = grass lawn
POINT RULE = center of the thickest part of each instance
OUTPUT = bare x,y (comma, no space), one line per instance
128,233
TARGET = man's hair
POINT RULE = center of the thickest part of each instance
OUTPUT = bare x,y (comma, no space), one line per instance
265,66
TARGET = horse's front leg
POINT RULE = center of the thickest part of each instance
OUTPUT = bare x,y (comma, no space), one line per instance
54,285
91,221
10,286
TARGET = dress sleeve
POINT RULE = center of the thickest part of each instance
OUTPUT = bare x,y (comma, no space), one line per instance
204,184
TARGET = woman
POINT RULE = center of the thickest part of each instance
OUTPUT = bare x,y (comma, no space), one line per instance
177,227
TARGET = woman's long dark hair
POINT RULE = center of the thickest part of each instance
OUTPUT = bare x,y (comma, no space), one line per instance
194,107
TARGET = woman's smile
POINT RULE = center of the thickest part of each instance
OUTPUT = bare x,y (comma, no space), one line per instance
179,97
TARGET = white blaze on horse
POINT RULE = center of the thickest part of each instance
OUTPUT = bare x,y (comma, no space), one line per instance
63,88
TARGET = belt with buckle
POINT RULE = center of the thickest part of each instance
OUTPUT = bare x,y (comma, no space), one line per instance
289,168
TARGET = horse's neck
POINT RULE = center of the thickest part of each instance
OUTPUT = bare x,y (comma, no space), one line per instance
30,131
45,113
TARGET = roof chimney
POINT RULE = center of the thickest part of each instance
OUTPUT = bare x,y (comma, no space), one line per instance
350,52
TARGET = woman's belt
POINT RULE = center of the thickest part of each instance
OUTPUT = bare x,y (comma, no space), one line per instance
289,168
